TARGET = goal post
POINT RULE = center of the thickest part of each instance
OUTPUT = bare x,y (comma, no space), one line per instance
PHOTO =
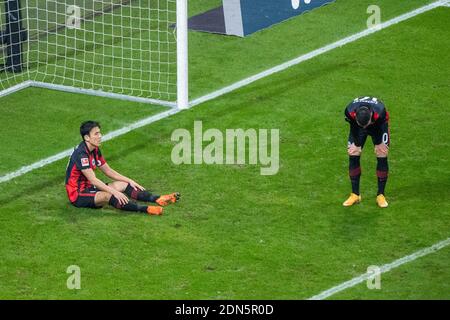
182,55
133,50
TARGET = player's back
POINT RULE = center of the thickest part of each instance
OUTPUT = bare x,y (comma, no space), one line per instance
373,103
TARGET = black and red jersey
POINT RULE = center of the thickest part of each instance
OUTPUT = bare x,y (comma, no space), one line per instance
379,112
379,127
81,159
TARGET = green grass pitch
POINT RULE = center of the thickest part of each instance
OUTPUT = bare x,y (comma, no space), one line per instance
236,234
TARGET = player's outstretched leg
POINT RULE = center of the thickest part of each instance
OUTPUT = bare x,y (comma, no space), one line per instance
102,198
140,195
382,176
137,195
133,206
355,175
163,200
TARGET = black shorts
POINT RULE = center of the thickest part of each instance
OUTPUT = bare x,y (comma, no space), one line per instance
86,198
379,135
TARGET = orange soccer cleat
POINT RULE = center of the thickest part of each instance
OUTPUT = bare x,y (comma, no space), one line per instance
353,199
155,210
381,201
167,199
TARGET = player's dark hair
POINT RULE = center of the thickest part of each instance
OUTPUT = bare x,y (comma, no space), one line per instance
87,126
363,116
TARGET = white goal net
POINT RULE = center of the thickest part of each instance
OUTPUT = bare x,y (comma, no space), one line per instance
121,48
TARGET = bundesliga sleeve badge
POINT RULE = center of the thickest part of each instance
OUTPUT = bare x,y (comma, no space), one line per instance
84,162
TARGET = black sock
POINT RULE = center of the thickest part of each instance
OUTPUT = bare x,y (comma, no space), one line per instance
140,195
130,206
354,171
382,174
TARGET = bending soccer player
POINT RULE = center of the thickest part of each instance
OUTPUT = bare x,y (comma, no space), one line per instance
85,190
367,116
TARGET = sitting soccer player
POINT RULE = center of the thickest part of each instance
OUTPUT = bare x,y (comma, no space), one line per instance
86,190
367,116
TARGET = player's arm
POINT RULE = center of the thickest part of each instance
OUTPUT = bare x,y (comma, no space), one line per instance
354,128
113,174
381,122
382,127
99,184
382,118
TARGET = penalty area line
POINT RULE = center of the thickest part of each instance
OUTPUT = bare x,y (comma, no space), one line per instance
383,269
235,86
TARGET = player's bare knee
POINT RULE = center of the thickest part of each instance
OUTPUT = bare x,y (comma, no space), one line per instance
107,196
102,198
352,152
381,153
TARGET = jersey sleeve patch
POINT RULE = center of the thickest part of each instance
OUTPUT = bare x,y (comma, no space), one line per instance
84,162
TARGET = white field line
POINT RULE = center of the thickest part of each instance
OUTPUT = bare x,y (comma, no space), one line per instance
230,88
383,269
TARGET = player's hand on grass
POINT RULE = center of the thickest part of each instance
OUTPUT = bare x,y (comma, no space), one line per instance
353,150
122,198
136,186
